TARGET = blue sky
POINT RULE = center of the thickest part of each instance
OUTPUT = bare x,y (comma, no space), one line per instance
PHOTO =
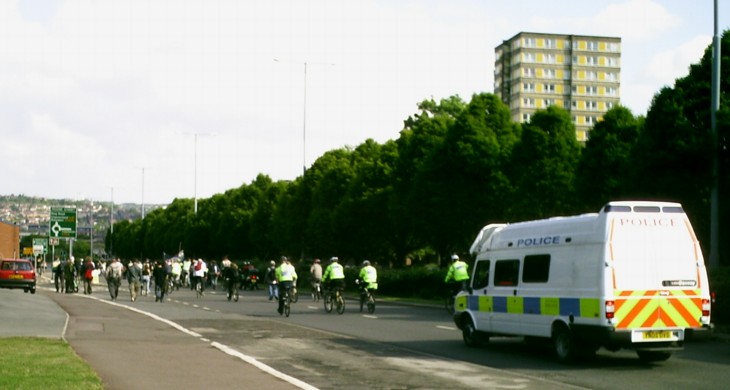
94,91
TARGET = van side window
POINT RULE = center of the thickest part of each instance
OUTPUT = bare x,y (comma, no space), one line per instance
506,272
481,275
536,269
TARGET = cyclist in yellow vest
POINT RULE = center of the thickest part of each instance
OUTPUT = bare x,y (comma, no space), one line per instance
334,275
369,275
458,274
286,275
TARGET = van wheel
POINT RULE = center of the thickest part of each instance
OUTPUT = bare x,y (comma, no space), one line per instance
469,333
653,356
564,345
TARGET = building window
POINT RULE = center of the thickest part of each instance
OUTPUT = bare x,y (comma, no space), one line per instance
550,88
591,75
528,72
591,120
528,57
591,105
591,90
550,44
550,58
528,87
592,45
549,73
591,60
526,117
528,42
528,102
609,105
548,102
610,91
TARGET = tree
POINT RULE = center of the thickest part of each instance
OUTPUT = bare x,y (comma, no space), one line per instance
543,166
601,172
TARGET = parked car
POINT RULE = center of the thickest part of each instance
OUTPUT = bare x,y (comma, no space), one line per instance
17,273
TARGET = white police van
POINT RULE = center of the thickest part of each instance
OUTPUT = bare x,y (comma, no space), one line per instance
630,276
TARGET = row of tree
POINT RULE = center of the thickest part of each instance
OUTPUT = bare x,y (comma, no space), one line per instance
456,167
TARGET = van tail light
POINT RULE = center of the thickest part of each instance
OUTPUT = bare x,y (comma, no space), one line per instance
705,307
609,310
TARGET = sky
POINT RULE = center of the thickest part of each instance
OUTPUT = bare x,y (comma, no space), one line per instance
145,101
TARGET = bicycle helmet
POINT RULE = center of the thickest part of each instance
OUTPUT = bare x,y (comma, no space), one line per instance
334,259
366,262
454,257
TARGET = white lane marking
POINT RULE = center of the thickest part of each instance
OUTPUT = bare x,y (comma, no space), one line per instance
263,367
224,348
369,316
446,327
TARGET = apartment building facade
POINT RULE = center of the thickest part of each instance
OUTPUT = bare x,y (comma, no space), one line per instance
579,73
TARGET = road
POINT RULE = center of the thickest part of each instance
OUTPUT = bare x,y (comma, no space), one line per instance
415,347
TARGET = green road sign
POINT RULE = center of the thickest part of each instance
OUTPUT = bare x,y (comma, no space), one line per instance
63,222
42,243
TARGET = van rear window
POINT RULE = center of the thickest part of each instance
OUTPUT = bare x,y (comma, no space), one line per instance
617,209
647,209
673,209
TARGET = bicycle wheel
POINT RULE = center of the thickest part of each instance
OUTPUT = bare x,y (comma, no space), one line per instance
199,290
287,305
340,304
235,295
362,301
371,304
328,302
294,295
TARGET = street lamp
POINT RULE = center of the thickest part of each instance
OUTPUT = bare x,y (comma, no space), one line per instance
195,168
304,115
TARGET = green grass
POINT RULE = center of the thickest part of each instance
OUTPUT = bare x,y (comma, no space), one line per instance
38,363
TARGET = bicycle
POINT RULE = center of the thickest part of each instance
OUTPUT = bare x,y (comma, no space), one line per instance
287,302
366,297
199,288
451,291
294,294
332,299
316,291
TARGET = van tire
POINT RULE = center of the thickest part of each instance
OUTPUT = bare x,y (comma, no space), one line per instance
564,344
469,334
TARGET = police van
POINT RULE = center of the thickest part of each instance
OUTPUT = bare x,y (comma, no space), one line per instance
631,276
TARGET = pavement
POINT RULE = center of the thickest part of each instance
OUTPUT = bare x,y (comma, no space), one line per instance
129,349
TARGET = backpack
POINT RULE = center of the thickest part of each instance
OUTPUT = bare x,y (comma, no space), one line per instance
198,266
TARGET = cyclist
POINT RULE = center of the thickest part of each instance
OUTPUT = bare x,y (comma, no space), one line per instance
230,275
334,275
286,276
369,276
315,271
458,275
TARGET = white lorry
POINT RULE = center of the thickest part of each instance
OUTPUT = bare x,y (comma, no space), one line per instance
630,276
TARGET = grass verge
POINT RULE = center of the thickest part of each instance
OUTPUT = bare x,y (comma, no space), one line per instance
39,363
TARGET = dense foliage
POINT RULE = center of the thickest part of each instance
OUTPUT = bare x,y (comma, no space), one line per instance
456,167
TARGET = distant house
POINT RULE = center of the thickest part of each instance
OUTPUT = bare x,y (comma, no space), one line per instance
9,240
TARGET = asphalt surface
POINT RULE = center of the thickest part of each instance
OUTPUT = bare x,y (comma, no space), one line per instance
129,349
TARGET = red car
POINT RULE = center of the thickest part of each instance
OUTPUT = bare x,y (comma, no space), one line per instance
17,273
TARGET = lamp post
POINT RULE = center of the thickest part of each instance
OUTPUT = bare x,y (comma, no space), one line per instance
304,109
195,167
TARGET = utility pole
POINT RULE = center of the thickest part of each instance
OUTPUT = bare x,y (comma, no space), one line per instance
714,107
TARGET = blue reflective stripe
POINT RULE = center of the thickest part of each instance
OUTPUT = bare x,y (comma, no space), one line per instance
549,306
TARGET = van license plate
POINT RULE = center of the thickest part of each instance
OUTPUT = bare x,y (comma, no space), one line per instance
16,276
657,335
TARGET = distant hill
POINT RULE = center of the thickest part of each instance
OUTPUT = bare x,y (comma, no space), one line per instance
32,214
